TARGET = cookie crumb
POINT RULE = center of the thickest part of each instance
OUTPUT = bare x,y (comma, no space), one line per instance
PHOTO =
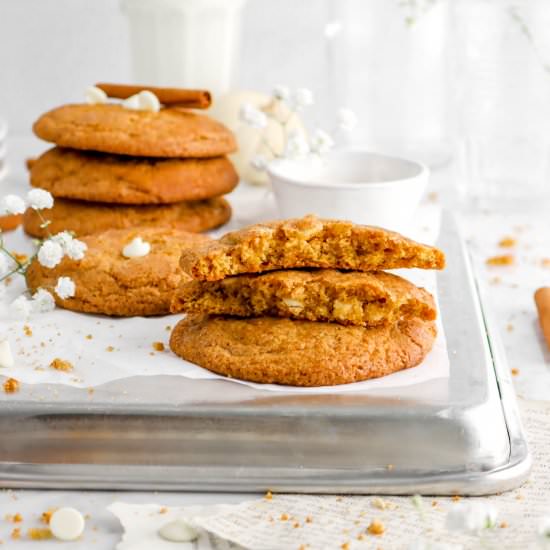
345,546
456,498
433,196
15,518
163,510
20,257
309,519
268,495
360,536
61,364
109,348
509,327
514,371
503,524
284,517
296,525
27,330
507,242
168,328
545,262
89,336
11,385
376,527
47,515
39,533
16,533
158,346
505,259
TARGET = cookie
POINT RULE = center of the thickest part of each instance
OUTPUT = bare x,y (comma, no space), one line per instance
307,242
99,177
300,353
107,282
10,222
85,218
349,298
111,128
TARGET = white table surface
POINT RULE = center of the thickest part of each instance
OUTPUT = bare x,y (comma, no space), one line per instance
509,290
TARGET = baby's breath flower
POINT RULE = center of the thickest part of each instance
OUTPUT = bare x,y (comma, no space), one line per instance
281,92
39,199
63,238
12,204
252,116
471,517
50,254
347,119
65,288
543,533
296,146
321,142
20,308
42,301
259,162
76,249
301,98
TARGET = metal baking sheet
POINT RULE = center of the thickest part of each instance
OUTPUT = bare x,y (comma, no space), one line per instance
455,435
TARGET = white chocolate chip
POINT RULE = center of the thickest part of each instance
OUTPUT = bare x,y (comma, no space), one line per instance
95,95
132,103
136,248
66,524
148,101
178,531
6,356
293,303
142,101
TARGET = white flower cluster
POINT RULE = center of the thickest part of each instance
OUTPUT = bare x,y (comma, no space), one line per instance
297,145
471,517
38,199
50,253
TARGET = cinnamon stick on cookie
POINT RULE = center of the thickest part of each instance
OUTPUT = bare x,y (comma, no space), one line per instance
542,300
192,99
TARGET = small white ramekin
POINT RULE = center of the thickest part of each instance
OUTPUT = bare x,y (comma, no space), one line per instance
358,186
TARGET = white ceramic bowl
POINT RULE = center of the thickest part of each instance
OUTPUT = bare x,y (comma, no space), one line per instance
358,186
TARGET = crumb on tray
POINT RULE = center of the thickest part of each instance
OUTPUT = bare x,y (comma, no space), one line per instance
507,242
505,259
11,385
61,364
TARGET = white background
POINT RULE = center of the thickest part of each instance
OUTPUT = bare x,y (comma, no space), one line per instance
51,50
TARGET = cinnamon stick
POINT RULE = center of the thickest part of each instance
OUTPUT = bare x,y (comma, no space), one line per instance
542,300
192,99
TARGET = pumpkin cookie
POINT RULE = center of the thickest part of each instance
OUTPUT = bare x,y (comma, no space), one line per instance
100,177
307,242
85,218
349,298
111,128
300,353
109,283
10,222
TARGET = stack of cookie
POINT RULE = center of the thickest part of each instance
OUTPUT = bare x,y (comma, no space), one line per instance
113,168
305,303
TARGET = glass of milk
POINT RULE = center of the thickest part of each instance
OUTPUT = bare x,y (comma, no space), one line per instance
184,43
